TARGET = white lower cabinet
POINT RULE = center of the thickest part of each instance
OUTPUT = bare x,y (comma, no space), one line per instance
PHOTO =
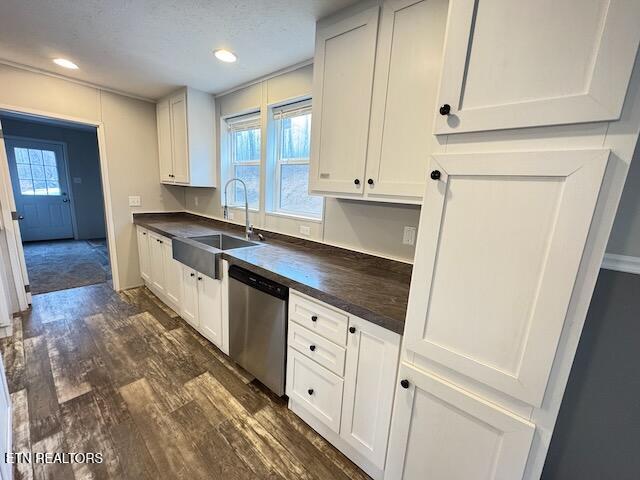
189,305
440,431
143,253
172,276
156,260
342,387
210,308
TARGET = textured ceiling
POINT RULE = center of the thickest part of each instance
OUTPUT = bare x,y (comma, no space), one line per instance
148,48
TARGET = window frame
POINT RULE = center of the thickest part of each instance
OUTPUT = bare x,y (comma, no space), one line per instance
276,115
232,124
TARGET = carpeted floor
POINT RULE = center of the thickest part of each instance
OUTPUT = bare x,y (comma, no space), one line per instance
62,264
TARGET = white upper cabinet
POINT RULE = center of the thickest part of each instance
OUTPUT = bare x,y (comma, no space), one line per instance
500,242
407,71
343,79
510,64
186,139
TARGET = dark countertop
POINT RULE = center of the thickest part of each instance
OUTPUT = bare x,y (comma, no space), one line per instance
373,288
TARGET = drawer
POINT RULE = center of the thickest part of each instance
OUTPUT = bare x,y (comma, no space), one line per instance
326,353
315,388
326,322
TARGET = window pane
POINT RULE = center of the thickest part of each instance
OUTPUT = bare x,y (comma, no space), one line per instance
26,187
37,171
53,187
294,188
250,174
24,171
50,172
40,187
246,145
49,157
296,134
35,157
22,155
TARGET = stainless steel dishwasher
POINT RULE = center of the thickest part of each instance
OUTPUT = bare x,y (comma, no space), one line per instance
258,326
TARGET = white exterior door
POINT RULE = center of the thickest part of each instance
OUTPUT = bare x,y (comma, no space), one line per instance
165,153
180,153
404,97
39,179
439,432
210,308
369,379
144,254
517,63
343,79
500,242
172,276
189,303
156,256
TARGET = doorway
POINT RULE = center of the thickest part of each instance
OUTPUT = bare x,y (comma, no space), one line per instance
54,171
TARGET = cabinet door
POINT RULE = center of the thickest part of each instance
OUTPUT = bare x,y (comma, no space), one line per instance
189,303
180,150
500,242
343,78
372,361
404,97
502,70
165,147
441,431
143,253
210,308
172,275
156,257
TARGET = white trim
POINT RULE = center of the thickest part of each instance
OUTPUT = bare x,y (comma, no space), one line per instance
621,263
291,68
28,68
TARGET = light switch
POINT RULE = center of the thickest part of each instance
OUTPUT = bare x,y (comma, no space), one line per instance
134,201
409,236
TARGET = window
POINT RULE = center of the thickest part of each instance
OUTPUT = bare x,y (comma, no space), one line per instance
37,171
291,150
243,159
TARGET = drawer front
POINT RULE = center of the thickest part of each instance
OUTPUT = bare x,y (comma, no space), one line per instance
315,388
320,319
326,353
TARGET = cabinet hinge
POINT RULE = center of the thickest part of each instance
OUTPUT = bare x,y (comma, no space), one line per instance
27,288
14,215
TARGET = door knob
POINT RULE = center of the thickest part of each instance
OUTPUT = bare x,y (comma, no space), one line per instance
65,200
20,217
445,109
435,175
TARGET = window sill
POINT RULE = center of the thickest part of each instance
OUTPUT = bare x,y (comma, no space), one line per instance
295,217
241,208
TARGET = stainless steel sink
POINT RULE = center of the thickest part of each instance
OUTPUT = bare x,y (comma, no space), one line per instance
203,253
223,242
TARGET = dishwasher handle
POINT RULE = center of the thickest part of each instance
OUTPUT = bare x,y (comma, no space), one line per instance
259,282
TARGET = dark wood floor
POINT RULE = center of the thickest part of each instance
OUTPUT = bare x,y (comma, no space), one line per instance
90,370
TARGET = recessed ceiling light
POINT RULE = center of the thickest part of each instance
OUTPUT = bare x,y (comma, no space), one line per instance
225,55
63,62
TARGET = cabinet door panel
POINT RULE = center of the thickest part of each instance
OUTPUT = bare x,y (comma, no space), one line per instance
404,97
143,253
210,308
505,233
441,431
501,70
156,256
179,135
172,275
372,361
189,303
343,78
165,146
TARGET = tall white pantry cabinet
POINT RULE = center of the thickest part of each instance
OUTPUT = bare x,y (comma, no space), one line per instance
537,120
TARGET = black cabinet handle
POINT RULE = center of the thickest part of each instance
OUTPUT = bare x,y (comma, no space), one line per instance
314,318
352,329
404,383
435,175
312,347
193,274
310,391
199,278
445,109
144,233
357,181
370,181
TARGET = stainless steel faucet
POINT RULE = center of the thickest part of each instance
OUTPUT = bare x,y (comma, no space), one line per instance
248,231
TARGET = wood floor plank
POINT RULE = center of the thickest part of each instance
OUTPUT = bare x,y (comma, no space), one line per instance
21,436
13,357
52,471
135,460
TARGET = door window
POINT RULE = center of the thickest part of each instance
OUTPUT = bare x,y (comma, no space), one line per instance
37,171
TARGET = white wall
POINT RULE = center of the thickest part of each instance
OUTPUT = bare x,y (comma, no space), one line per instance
625,235
365,226
130,143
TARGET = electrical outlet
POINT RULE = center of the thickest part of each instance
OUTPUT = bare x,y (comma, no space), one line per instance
305,230
195,201
409,236
134,201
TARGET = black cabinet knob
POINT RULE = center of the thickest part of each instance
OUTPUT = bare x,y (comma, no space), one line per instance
312,347
357,181
314,318
404,383
310,391
352,329
445,109
435,175
199,278
144,233
193,274
370,181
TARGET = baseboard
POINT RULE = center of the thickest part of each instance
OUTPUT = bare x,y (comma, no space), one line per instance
621,263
